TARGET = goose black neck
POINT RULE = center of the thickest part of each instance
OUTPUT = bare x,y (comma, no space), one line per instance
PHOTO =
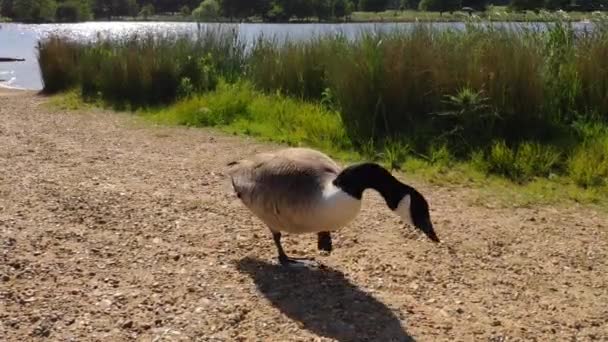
357,178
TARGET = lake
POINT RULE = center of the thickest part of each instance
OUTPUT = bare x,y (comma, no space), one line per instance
19,40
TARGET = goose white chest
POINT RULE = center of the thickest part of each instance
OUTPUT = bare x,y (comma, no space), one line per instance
331,210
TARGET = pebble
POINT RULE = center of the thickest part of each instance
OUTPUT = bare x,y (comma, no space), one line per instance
105,303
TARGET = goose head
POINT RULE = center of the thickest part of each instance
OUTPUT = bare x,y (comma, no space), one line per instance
414,210
405,201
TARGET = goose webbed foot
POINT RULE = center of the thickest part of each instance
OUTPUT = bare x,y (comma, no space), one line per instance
291,262
324,242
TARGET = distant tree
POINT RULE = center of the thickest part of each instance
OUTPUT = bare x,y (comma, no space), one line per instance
339,10
208,9
73,11
169,6
34,10
101,9
323,9
6,8
556,4
478,5
235,8
146,11
409,4
523,5
299,8
439,5
591,5
350,8
260,7
185,11
372,5
276,12
132,8
115,8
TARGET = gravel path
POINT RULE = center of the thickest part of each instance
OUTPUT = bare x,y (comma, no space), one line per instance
112,230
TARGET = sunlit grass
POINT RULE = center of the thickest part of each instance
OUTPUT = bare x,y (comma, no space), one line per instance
240,109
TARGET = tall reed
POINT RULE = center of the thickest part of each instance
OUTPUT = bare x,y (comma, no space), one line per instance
144,69
58,60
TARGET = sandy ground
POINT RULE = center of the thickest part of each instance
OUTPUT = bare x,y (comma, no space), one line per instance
115,230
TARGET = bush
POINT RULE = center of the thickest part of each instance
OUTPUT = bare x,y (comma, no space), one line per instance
208,9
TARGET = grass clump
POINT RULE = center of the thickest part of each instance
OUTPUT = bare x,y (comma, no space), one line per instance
588,165
56,60
142,70
527,161
238,107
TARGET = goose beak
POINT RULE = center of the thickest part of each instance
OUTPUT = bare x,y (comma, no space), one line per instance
429,231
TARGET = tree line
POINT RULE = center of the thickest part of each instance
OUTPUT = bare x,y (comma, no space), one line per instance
265,10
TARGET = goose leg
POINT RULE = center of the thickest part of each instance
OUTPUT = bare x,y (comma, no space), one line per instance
284,259
324,242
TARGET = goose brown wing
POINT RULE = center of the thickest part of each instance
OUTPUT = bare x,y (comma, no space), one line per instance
274,184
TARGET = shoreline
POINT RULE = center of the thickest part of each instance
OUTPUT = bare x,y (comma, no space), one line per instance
4,86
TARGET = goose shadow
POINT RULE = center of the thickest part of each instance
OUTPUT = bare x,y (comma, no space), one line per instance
325,302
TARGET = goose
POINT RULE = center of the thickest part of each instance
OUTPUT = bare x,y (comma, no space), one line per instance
300,190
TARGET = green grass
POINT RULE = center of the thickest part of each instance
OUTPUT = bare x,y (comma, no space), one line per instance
239,108
69,100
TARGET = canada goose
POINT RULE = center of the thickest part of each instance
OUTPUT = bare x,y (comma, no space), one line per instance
300,190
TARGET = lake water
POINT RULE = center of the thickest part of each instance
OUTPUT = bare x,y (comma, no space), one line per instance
20,40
